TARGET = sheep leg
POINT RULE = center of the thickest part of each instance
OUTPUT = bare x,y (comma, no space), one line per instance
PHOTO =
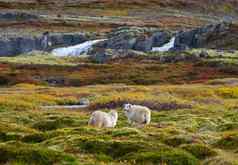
134,124
130,122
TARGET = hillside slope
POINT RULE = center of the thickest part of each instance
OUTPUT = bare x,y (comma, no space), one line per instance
226,6
104,15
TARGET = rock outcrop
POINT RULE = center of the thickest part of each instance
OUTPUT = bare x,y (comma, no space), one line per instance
15,46
215,36
17,16
140,39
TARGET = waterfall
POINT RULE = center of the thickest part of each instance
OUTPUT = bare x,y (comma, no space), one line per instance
75,50
165,47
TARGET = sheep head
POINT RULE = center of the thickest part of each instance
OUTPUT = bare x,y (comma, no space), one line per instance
127,107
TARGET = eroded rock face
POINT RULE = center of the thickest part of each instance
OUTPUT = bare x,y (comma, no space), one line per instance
130,38
215,36
141,39
160,38
67,39
210,36
220,35
17,16
143,43
15,46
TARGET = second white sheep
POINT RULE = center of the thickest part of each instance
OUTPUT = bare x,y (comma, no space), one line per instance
103,119
137,114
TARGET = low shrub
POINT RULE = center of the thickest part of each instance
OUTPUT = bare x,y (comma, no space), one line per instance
218,160
178,140
115,149
48,124
34,138
228,126
228,141
168,157
200,151
125,132
7,136
228,92
31,154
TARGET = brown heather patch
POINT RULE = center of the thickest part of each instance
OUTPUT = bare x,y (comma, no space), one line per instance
127,71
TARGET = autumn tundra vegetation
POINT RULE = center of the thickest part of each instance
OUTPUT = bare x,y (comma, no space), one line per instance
191,124
160,85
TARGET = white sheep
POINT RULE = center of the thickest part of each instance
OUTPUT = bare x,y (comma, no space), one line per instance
102,119
137,114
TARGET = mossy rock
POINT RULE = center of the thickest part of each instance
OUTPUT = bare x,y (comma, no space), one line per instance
178,140
229,126
86,131
130,151
103,158
228,141
51,124
35,138
9,136
168,157
31,154
125,132
47,125
115,149
4,108
218,161
200,151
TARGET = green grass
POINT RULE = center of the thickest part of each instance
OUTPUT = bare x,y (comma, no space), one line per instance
43,59
31,154
200,151
202,132
192,123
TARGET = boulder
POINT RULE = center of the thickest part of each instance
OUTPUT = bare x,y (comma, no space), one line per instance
105,55
54,80
122,42
63,40
143,43
123,38
26,44
160,38
180,56
204,54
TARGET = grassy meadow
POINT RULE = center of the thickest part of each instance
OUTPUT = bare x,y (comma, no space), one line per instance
192,94
194,116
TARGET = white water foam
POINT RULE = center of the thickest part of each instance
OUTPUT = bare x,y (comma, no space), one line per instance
165,47
75,50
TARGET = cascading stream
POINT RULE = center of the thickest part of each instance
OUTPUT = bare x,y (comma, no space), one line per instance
75,50
165,47
83,48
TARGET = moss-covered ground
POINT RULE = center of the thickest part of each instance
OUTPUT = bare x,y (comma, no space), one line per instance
194,116
191,124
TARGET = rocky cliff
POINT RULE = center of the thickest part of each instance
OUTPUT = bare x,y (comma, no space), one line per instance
215,36
19,45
